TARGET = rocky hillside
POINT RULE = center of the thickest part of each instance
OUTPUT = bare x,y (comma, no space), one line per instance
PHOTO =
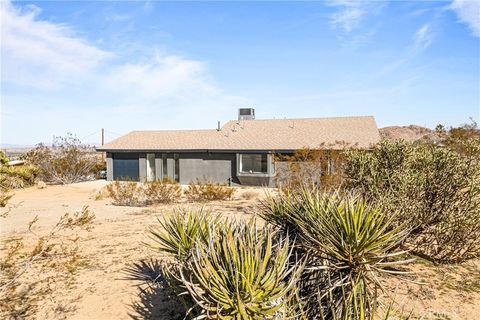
408,133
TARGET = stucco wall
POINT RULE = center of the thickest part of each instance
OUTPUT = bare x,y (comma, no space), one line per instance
215,167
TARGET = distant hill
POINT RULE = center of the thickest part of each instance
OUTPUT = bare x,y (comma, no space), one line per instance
408,133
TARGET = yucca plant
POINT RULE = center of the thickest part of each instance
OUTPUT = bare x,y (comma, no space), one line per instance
177,234
176,237
348,245
243,273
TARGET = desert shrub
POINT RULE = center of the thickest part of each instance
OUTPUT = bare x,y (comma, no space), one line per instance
15,177
66,161
18,177
227,270
348,244
125,193
162,191
435,190
317,168
3,158
208,191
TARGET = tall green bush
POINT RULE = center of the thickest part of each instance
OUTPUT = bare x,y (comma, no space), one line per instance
435,189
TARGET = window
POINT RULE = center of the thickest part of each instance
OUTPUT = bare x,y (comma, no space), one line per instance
253,163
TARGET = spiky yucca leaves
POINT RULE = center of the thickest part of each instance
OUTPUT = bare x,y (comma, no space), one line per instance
348,244
176,236
243,273
178,232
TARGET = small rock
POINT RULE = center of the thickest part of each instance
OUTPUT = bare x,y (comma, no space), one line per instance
41,185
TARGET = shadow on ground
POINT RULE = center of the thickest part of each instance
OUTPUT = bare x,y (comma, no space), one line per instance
155,300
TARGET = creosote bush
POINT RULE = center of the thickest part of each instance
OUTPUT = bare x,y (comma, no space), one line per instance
125,193
202,191
319,168
162,191
66,161
131,193
434,189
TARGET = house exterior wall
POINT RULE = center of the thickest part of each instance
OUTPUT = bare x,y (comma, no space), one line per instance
215,167
142,169
220,167
109,161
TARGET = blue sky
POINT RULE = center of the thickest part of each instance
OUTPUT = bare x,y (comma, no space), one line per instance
80,66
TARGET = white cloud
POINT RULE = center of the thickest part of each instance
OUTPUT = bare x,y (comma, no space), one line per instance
352,13
40,53
468,12
47,55
423,38
62,79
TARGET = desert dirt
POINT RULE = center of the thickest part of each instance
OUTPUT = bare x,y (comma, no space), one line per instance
110,281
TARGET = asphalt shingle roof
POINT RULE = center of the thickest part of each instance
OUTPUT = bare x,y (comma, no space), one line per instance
271,134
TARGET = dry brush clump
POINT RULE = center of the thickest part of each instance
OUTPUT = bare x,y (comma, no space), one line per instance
66,161
162,191
434,189
27,272
202,191
317,168
125,193
130,193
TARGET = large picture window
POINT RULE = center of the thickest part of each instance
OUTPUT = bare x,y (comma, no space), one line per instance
253,163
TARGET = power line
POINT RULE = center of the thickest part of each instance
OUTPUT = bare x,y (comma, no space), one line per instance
91,134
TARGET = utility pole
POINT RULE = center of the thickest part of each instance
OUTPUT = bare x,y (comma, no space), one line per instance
103,141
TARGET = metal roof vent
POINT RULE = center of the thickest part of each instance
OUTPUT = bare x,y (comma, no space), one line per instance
246,114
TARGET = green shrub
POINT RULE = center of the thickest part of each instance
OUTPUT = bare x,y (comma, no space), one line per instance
348,244
208,191
162,191
17,177
125,193
434,190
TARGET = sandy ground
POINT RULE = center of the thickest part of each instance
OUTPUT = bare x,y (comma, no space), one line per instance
109,284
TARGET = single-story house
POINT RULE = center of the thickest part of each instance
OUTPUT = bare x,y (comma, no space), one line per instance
240,152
